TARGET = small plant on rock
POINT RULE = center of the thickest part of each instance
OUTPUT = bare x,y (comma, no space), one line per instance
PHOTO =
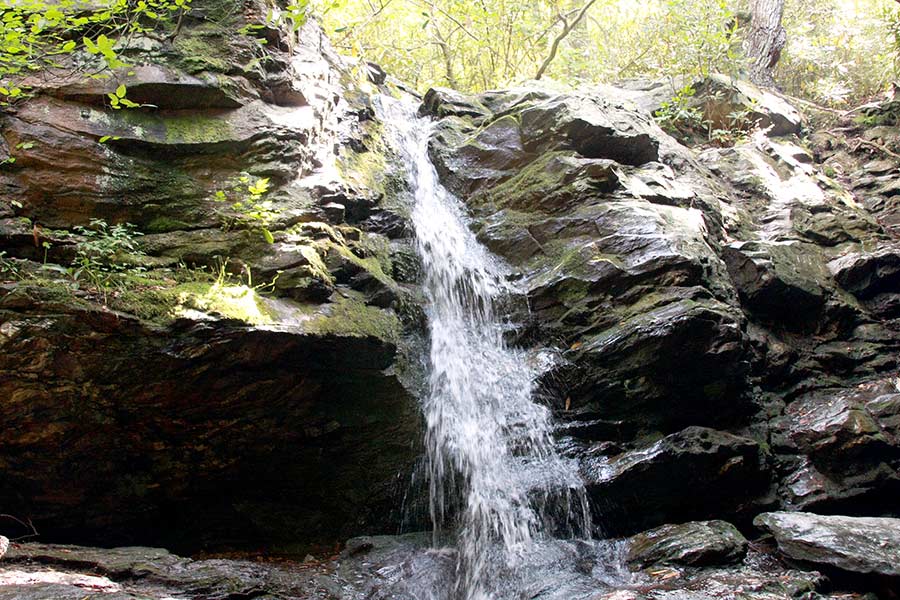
9,269
104,251
247,208
678,115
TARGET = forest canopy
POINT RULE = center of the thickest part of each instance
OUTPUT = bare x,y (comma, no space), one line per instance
837,52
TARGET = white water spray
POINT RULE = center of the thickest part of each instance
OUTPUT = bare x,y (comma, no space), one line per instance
489,446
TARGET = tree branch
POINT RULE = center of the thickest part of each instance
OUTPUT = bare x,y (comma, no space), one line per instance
566,30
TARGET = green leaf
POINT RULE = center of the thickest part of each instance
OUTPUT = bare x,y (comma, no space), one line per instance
91,46
260,187
268,235
120,91
105,139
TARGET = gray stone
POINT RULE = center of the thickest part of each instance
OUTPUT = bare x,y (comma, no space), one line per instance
696,543
855,544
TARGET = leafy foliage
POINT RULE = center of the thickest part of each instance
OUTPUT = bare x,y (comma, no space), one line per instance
838,52
474,45
247,208
679,114
58,37
104,250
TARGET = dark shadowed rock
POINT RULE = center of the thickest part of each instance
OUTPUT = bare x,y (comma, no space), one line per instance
845,446
855,544
152,412
655,484
669,365
207,430
696,543
781,282
868,274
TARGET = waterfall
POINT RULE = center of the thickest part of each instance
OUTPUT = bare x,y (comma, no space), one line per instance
494,471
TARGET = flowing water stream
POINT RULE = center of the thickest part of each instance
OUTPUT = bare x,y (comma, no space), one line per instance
496,480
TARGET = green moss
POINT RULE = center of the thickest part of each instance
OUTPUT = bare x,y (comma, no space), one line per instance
371,264
366,170
195,129
569,258
166,224
51,291
160,299
573,291
199,52
379,248
232,301
529,188
352,317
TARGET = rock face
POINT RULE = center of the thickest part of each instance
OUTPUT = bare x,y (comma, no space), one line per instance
725,321
224,390
856,544
725,318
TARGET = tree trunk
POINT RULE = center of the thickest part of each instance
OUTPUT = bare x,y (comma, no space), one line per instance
766,39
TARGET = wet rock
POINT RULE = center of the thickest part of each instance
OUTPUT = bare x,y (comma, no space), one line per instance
867,274
695,544
856,544
444,102
690,350
779,282
846,451
162,87
657,483
591,126
470,159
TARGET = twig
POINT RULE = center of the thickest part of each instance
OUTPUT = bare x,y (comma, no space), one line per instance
567,29
28,524
879,147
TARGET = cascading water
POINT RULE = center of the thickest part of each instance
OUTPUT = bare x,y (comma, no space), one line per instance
489,447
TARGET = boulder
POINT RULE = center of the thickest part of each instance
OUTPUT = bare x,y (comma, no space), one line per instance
469,158
592,126
697,543
868,545
868,274
718,97
178,405
721,96
444,102
667,366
